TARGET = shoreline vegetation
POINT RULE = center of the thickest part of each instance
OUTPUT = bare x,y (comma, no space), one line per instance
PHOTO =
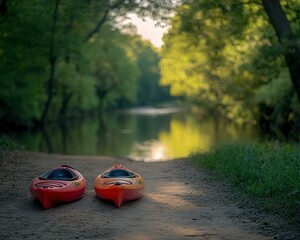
268,172
9,143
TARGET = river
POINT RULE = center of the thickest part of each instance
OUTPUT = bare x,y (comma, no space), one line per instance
143,134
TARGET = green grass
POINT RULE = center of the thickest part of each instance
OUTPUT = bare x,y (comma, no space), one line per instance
269,172
8,143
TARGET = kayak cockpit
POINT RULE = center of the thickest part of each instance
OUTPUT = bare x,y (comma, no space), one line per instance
63,174
119,173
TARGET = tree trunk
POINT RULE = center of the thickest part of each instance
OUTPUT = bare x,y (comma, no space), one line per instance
3,7
66,98
51,82
287,38
102,93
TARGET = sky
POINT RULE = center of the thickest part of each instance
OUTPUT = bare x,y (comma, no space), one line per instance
148,30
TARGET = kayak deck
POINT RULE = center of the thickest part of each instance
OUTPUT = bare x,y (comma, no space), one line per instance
119,185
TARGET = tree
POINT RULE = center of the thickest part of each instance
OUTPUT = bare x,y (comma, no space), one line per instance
114,69
57,55
52,60
287,38
219,54
22,60
149,90
106,12
202,56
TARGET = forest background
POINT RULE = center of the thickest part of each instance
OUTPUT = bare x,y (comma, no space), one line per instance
239,60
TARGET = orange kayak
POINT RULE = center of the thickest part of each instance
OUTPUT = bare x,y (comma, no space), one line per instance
119,185
59,185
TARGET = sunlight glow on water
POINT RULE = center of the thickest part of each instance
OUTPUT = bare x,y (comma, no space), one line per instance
140,134
151,150
183,138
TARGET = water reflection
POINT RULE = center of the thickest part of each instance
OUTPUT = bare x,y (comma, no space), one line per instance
136,134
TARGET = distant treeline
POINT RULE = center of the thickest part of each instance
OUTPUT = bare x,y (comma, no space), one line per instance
67,58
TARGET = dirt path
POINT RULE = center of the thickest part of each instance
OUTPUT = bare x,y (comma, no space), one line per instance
180,202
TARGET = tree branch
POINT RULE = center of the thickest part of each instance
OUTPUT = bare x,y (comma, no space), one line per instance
97,28
102,21
52,59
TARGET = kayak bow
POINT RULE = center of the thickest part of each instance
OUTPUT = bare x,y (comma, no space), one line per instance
63,184
119,185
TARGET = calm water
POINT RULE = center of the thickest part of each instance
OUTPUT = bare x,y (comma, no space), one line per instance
141,134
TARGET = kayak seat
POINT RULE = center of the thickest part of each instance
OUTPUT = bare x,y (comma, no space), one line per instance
59,174
119,173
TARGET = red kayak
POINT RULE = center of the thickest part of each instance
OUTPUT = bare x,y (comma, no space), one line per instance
119,185
59,185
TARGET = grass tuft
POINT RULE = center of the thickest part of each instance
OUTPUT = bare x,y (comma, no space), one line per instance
269,172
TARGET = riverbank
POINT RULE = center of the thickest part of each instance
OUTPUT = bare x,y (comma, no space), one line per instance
180,202
268,172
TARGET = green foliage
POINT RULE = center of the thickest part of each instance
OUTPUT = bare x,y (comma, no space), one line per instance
275,92
269,172
88,61
149,90
8,143
224,57
22,67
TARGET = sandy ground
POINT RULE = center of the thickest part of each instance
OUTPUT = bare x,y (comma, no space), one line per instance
180,202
